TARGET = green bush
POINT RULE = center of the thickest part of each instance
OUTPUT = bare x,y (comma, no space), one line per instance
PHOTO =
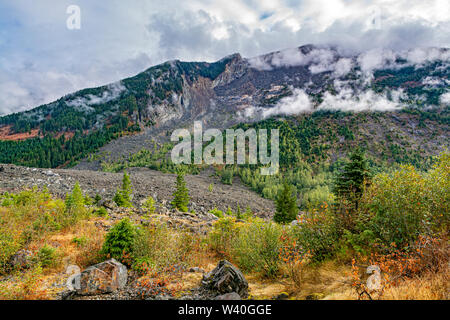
218,213
101,212
256,248
317,233
401,205
149,205
223,234
47,256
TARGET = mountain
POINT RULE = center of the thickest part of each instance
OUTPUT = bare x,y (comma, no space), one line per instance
397,102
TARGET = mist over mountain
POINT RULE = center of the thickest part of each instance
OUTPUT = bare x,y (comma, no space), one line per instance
233,90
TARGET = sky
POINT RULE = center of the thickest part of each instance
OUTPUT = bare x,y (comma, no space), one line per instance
41,59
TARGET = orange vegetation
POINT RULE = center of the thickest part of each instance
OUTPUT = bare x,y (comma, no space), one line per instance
6,134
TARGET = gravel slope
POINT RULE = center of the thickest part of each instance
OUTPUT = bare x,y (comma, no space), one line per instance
145,182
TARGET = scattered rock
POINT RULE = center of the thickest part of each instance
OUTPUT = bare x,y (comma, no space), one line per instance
225,278
281,296
105,277
228,296
315,296
108,204
196,270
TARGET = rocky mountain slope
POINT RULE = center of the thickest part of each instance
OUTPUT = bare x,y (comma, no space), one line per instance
230,91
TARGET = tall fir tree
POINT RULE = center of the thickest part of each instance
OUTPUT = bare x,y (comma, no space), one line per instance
286,204
349,184
181,194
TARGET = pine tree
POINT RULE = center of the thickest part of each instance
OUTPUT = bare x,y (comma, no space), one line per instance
75,200
238,212
181,194
123,195
286,204
119,240
349,183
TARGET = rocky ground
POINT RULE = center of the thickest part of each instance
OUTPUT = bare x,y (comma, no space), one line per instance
145,183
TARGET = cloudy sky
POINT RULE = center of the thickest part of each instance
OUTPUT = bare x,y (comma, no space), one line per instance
42,60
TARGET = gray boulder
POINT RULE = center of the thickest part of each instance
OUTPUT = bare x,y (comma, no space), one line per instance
105,277
225,278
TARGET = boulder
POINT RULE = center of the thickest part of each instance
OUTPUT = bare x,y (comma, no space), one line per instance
225,278
108,204
105,277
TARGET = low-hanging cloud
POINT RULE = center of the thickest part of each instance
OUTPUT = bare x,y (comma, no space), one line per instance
42,61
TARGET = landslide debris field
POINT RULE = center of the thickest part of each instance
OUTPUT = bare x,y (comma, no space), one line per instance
145,183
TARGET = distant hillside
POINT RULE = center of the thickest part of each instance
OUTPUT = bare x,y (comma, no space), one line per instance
408,91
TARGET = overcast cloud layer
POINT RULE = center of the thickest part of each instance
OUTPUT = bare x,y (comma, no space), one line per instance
41,60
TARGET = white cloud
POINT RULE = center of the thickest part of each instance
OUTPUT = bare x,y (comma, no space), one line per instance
445,98
42,60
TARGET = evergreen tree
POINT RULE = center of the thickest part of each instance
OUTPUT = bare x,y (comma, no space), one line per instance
97,199
286,206
75,200
181,194
123,195
349,184
119,240
238,212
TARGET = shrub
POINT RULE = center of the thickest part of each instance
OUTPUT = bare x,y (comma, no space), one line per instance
394,207
222,235
119,241
317,233
158,247
218,213
101,212
256,248
47,256
149,205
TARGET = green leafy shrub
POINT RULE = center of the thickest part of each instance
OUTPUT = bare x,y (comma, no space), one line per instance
47,256
223,234
101,212
149,205
401,205
256,248
317,233
218,213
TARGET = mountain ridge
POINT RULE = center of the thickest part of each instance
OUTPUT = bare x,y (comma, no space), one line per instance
236,90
